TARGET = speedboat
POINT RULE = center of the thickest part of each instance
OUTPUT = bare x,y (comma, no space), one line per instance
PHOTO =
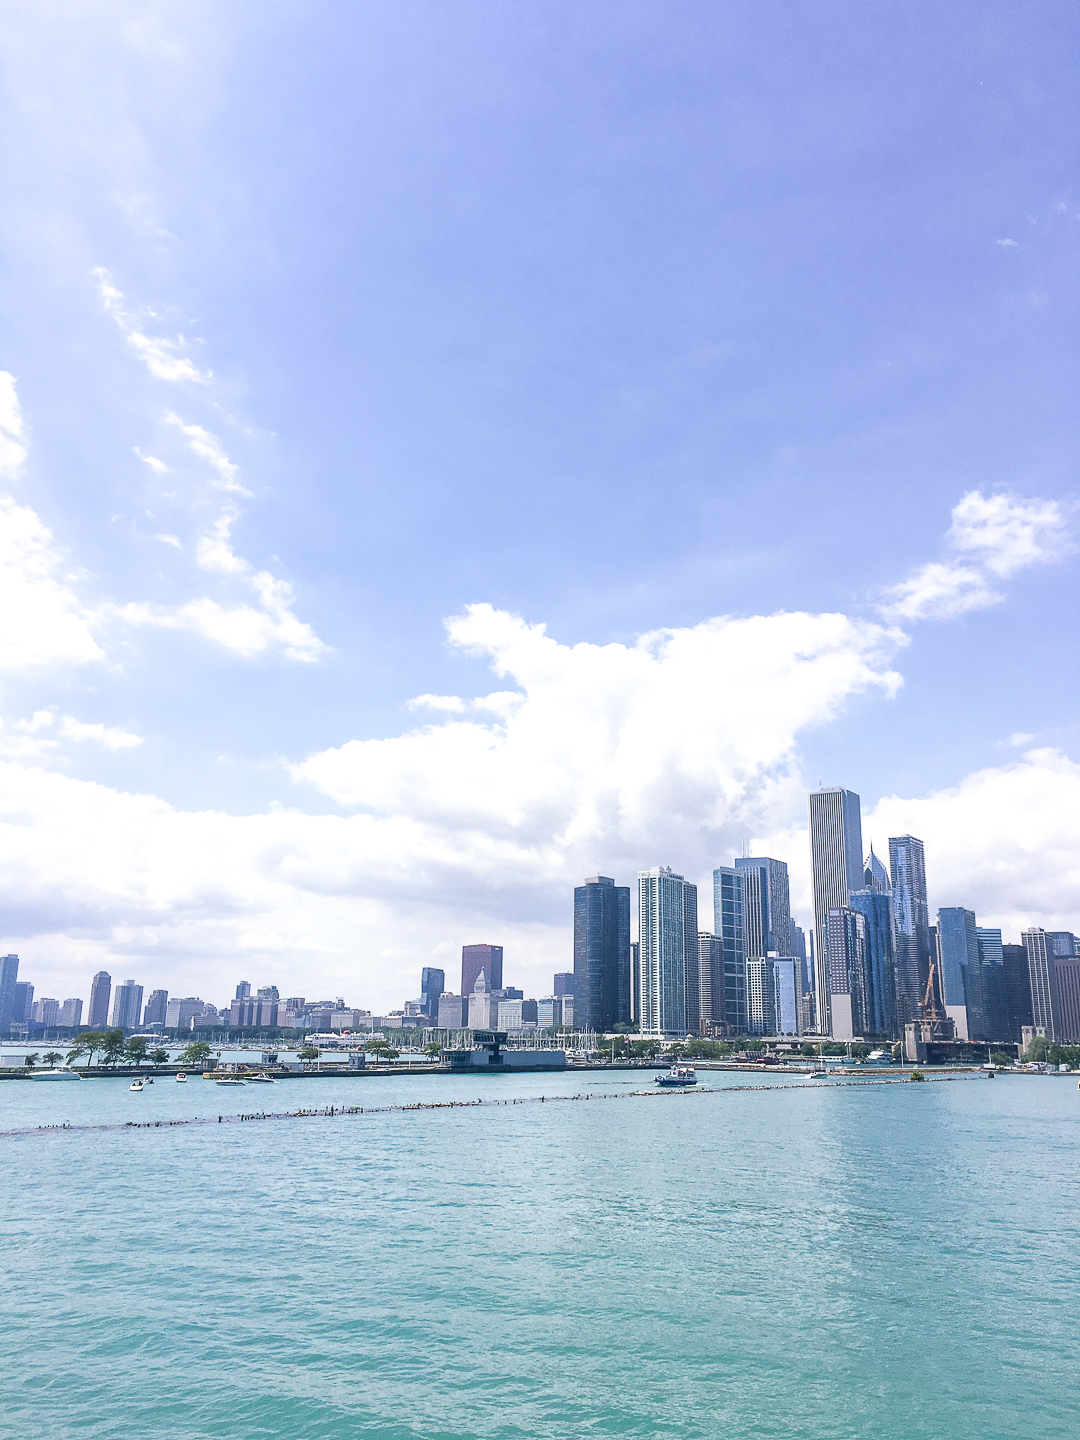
820,1075
678,1075
62,1072
181,1078
137,1085
230,1080
262,1079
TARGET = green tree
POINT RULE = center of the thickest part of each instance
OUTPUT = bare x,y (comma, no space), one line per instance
381,1050
136,1050
51,1058
196,1053
30,1060
1039,1049
88,1043
916,1075
158,1057
114,1046
308,1052
433,1049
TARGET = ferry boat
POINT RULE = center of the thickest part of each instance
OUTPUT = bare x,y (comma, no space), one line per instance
62,1072
678,1075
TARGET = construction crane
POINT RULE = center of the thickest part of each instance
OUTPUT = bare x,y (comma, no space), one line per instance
928,1010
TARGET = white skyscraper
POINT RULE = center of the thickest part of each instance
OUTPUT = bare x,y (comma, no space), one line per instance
668,941
836,858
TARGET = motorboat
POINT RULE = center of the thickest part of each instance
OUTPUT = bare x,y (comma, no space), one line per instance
262,1079
181,1078
820,1075
62,1072
230,1080
678,1075
137,1085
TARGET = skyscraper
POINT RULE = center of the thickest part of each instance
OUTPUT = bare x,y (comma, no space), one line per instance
992,975
787,976
489,959
1042,974
564,982
958,966
907,870
154,1014
710,980
879,956
127,1006
767,898
667,909
760,996
100,990
601,954
729,926
9,975
845,950
432,985
1017,991
70,1015
836,859
23,1000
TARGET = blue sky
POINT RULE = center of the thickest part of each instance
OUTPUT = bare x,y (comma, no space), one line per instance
616,319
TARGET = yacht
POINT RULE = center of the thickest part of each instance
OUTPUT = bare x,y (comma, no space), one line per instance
62,1072
262,1079
137,1085
181,1078
230,1080
678,1075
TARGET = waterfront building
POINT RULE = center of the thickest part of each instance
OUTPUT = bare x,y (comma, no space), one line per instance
879,954
787,979
601,981
528,1014
667,934
1043,977
453,1011
760,996
992,976
127,1006
836,861
154,1014
474,958
635,983
481,1005
22,1003
180,1013
555,1012
509,1015
46,1012
958,963
9,978
1014,968
70,1016
432,985
710,981
845,950
563,983
1067,975
767,905
729,926
911,910
100,991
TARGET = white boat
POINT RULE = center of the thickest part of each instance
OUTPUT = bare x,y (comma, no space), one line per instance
820,1075
262,1079
181,1078
678,1075
62,1072
230,1080
137,1085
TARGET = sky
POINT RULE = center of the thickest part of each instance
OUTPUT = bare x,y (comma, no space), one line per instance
451,450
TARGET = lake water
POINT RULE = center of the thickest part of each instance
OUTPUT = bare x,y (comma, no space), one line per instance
849,1261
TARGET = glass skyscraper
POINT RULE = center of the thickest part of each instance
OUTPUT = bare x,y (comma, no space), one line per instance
729,926
879,959
601,954
958,954
907,871
767,898
668,941
836,858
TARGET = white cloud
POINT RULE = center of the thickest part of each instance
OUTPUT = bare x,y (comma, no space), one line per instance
1020,737
208,447
13,442
158,466
243,629
44,622
173,540
1008,244
106,735
163,358
996,535
215,552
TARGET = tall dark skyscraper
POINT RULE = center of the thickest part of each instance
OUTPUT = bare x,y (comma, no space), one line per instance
729,927
1017,992
836,859
958,963
100,991
879,958
24,999
563,983
9,975
911,910
767,898
475,958
154,1014
432,985
601,954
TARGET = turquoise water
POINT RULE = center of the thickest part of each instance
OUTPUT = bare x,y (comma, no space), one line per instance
845,1261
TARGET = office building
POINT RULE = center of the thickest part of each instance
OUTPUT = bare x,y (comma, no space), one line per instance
1064,943
635,983
126,1006
483,1006
9,978
760,996
432,985
767,906
46,1012
710,981
100,991
1043,978
563,983
836,861
1067,975
489,959
509,1016
180,1013
992,977
958,963
875,876
243,990
70,1017
22,1002
555,1012
879,955
453,1011
846,951
729,927
667,934
601,979
787,980
911,911
1014,968
154,1014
